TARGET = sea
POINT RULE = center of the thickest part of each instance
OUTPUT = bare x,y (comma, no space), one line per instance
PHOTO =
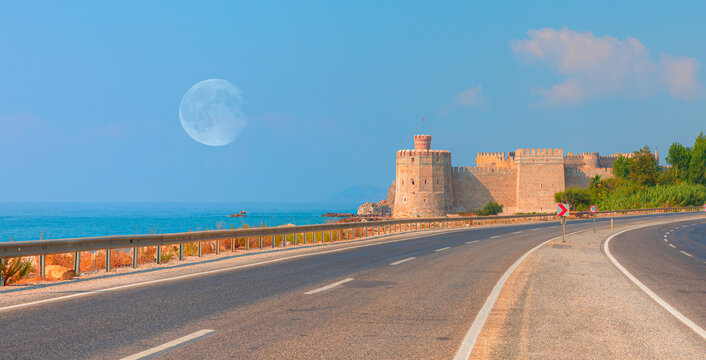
35,221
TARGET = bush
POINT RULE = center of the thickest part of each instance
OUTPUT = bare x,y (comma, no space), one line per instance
640,197
491,208
14,269
577,198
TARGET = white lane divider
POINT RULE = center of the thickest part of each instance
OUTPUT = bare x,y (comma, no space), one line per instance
647,290
471,242
672,245
328,287
403,260
442,249
495,237
170,345
686,253
517,232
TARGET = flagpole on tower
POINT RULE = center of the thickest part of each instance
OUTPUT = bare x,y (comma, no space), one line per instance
422,125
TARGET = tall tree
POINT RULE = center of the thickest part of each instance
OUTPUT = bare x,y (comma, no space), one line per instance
697,165
679,157
643,168
621,167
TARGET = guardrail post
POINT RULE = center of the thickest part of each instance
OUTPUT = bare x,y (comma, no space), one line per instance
134,257
218,247
260,242
232,244
181,251
42,270
159,254
330,235
304,238
77,264
2,282
107,260
200,249
274,241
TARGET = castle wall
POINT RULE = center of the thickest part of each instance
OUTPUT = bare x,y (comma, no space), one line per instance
474,187
540,174
582,177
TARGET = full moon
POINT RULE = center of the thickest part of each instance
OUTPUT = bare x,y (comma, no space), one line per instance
210,112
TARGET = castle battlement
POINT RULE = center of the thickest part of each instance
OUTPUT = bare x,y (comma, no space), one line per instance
468,170
528,152
423,153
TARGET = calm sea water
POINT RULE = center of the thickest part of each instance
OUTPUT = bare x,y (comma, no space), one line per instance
26,221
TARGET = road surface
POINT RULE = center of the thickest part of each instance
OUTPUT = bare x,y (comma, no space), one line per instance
392,300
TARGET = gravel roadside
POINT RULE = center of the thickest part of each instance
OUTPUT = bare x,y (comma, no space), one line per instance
566,300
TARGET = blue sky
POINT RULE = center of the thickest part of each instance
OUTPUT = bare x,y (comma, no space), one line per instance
90,91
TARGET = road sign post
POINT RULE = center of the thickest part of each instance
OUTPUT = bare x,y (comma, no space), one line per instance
562,210
593,209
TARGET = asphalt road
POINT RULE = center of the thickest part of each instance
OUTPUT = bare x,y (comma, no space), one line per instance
670,259
419,308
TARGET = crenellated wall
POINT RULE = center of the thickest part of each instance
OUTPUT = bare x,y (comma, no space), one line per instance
522,181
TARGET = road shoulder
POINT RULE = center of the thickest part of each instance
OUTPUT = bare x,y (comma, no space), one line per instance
566,300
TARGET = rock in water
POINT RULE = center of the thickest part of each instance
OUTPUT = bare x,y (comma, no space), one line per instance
57,272
380,209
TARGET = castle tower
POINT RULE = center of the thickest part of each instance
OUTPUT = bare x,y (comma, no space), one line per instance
540,174
423,185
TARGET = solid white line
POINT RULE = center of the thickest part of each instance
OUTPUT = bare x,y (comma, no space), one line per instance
327,287
403,260
517,232
174,343
471,242
442,249
464,352
496,236
647,290
186,276
686,253
672,245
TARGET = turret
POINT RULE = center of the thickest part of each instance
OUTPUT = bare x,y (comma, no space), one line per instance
423,185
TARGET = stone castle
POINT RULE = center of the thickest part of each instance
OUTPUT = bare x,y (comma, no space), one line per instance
525,180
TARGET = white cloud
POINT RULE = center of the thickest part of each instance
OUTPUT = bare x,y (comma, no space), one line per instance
471,96
595,67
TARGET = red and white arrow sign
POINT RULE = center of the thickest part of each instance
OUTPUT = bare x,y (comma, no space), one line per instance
562,209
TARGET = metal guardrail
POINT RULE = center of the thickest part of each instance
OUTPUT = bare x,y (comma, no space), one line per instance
344,231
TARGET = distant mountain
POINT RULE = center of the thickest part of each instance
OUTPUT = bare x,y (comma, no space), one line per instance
358,194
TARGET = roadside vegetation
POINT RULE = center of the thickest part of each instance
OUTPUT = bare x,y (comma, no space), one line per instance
640,183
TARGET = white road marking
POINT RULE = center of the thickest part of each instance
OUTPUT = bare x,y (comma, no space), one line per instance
464,352
442,249
328,287
494,237
166,346
665,240
471,242
403,260
686,253
517,232
672,245
647,290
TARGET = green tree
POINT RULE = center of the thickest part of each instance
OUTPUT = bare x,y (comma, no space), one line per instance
643,168
679,157
621,167
577,198
696,173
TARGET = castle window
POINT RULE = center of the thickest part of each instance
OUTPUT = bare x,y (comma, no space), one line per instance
404,200
412,159
412,181
425,180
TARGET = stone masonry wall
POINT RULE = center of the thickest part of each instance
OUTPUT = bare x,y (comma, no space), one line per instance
540,174
474,187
